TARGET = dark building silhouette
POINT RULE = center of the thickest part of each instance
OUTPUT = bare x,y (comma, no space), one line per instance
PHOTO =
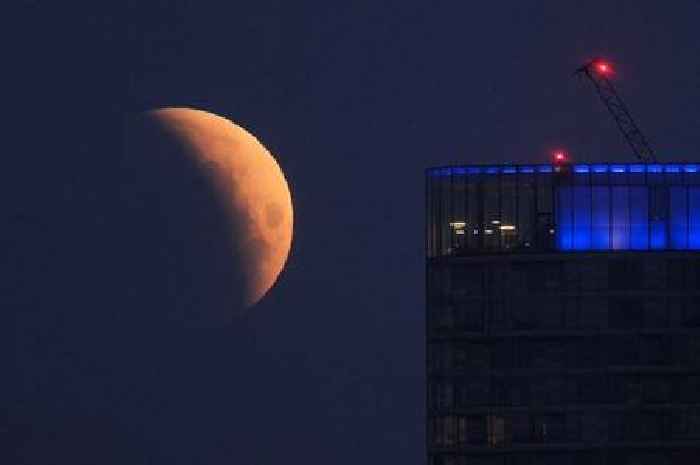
563,314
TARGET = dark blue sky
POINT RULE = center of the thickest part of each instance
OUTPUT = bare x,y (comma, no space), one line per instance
355,99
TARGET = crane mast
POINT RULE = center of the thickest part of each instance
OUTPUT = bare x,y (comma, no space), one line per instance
597,71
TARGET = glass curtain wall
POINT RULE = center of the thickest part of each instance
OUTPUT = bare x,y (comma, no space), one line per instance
487,209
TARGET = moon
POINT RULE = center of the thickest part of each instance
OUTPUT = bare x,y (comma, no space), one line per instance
215,207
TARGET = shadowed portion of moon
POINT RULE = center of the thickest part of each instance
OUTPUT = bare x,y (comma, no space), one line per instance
210,209
111,269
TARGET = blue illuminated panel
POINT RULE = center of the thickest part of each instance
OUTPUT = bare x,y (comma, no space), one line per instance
612,217
600,228
564,219
678,217
620,218
620,215
639,217
618,168
582,218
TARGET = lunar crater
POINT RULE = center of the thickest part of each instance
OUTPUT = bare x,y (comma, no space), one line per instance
274,214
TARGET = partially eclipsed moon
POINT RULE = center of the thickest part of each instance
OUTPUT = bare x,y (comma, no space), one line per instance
223,197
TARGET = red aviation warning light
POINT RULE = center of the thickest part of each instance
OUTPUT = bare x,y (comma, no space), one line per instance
603,67
559,157
560,161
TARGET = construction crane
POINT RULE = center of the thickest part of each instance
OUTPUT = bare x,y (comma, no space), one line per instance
598,72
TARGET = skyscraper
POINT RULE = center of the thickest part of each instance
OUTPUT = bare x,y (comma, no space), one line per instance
563,314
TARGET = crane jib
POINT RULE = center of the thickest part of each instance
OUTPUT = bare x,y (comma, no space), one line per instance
596,71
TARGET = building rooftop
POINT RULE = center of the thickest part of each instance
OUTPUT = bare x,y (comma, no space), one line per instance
673,168
474,209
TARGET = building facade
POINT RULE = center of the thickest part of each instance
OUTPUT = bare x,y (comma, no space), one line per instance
563,314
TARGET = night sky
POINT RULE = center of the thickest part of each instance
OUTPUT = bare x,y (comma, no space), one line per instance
355,99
